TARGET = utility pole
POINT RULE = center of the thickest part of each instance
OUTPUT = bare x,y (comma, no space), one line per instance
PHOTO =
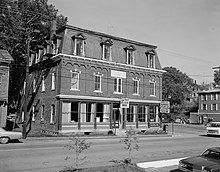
28,32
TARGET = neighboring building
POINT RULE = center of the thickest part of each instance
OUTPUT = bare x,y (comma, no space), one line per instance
5,60
209,106
81,80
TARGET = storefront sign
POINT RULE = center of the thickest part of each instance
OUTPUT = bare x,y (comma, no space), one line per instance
124,103
165,107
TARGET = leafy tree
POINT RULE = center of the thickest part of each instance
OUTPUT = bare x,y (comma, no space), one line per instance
17,18
177,88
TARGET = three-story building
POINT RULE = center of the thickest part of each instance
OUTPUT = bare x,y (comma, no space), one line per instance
81,80
209,105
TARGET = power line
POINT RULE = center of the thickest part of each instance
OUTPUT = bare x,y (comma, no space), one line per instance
184,56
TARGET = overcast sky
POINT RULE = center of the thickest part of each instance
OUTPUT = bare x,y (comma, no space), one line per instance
186,32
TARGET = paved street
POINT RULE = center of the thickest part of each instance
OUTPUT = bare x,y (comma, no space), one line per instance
37,154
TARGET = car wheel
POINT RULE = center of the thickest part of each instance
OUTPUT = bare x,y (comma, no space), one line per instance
4,140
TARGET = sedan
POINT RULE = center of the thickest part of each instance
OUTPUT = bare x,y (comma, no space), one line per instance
209,161
6,136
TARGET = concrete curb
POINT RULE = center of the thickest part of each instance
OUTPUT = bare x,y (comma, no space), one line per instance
93,137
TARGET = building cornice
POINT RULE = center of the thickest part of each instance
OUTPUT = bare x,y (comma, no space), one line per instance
110,63
80,97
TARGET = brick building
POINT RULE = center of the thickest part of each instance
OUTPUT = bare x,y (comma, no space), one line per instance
81,80
209,106
5,60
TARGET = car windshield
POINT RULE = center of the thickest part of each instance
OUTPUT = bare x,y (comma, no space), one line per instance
212,154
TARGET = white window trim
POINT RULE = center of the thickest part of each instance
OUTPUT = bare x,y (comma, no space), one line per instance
78,73
153,82
138,86
100,75
42,112
34,86
53,81
148,60
33,115
133,60
52,118
117,86
43,84
103,52
83,47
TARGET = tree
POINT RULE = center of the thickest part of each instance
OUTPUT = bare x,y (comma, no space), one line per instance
77,145
177,88
17,18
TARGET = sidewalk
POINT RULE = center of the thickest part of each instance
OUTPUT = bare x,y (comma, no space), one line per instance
93,137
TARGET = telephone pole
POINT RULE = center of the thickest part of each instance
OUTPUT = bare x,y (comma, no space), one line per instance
28,32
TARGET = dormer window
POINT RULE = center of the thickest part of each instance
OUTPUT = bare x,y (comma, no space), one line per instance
106,50
150,59
79,41
130,55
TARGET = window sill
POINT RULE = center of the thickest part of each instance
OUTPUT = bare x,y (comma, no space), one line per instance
97,91
152,96
136,94
117,93
74,90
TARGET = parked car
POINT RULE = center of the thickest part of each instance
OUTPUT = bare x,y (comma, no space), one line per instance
209,161
6,136
213,128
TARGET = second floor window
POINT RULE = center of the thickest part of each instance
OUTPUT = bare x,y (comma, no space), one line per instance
98,82
203,106
214,107
74,80
118,85
136,86
52,114
152,88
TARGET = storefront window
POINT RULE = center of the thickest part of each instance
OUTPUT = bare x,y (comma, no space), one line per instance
74,112
152,113
141,114
99,112
131,114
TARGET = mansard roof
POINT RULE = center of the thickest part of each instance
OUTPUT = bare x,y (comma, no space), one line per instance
106,35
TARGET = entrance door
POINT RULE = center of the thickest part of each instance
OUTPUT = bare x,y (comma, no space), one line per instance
115,118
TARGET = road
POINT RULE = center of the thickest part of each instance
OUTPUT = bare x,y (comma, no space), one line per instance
49,155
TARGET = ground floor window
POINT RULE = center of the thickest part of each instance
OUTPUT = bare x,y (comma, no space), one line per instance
141,114
152,113
131,113
74,112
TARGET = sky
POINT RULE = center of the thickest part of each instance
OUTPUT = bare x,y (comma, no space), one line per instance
186,32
